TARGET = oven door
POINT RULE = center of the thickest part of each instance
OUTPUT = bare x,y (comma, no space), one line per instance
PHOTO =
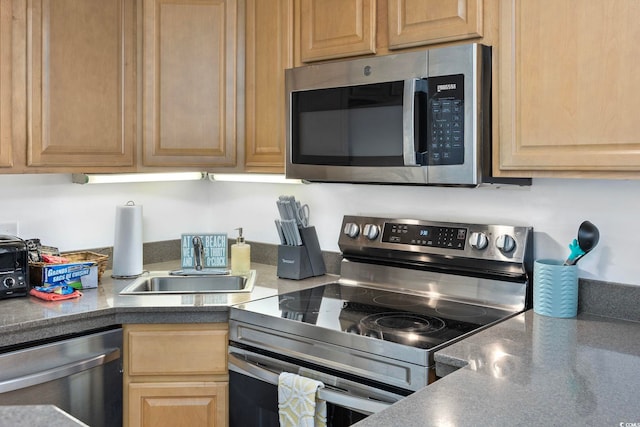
253,392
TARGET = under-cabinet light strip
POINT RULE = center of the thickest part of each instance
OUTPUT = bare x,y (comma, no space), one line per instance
114,178
253,177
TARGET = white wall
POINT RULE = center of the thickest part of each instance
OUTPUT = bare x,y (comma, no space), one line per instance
74,216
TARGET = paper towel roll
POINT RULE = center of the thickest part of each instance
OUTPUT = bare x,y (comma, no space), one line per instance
127,245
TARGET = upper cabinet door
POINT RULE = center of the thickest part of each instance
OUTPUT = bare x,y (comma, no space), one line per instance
329,29
568,73
80,83
423,22
189,82
269,47
336,28
6,149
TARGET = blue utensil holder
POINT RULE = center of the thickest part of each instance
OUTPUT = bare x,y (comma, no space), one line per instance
555,288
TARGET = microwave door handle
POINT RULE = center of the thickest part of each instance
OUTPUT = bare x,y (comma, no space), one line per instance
408,118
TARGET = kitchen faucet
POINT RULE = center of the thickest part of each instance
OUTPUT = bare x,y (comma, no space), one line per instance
198,250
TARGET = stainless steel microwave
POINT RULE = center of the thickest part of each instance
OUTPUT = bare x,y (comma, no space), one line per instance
411,118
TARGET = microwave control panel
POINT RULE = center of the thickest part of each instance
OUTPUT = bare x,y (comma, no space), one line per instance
445,115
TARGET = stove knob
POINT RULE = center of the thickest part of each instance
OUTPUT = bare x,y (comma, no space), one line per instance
371,231
351,229
478,240
505,243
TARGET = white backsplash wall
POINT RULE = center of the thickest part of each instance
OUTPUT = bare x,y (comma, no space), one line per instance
73,216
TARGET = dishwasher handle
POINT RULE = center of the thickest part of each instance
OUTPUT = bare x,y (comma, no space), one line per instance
359,404
61,371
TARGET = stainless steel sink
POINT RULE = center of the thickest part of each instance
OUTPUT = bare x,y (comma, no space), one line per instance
165,283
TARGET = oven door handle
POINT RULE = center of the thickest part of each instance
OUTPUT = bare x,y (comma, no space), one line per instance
355,403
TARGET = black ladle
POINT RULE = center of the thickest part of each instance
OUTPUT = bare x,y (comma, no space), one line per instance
588,237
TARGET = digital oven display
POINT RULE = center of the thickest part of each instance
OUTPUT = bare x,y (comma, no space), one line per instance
421,235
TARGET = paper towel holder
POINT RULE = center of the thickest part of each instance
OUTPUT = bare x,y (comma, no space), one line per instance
127,248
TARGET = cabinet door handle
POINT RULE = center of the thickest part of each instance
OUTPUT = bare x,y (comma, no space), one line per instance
57,372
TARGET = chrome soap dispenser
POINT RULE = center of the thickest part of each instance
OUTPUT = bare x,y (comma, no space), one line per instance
240,255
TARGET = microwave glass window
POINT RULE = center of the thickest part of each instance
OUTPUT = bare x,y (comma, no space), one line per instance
356,125
357,132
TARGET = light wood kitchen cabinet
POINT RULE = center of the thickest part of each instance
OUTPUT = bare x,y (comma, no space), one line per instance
175,375
190,82
80,83
6,145
328,29
119,85
421,22
568,73
269,51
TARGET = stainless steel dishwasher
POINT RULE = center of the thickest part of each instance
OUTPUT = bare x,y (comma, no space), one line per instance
81,375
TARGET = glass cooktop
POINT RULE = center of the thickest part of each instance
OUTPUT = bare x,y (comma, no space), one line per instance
414,320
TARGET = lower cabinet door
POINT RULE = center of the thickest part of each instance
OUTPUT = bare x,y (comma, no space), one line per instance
190,404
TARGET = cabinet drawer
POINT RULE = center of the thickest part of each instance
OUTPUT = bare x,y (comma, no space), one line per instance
185,350
178,404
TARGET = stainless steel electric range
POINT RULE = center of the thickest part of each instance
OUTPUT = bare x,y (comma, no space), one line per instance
407,288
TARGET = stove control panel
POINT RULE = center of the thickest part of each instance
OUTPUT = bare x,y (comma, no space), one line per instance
425,235
412,238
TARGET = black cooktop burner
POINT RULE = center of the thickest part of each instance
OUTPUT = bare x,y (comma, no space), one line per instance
395,322
298,304
395,300
403,328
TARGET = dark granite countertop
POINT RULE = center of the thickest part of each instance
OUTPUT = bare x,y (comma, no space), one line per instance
28,319
36,416
532,370
528,370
